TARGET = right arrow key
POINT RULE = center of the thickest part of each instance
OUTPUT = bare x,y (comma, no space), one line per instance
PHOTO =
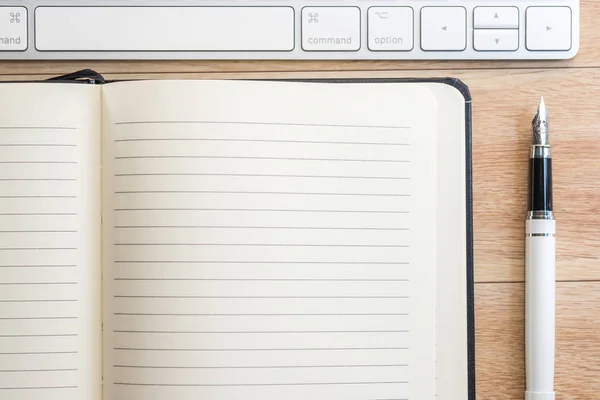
548,28
496,39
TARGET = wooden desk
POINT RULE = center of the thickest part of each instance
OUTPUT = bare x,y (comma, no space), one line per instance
505,95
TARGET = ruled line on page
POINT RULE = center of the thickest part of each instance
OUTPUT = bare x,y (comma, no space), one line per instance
37,197
39,265
256,192
38,162
32,128
262,262
260,141
266,176
253,245
35,318
38,283
42,335
38,180
255,297
37,145
36,248
374,314
266,210
224,122
38,387
39,231
39,370
260,332
265,367
40,301
39,352
265,349
264,279
40,213
259,384
259,158
257,227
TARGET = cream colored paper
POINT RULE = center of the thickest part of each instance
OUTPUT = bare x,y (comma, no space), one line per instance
50,260
269,241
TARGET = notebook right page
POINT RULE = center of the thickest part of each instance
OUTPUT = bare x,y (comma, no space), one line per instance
269,240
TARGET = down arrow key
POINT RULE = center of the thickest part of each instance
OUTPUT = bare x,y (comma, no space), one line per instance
496,39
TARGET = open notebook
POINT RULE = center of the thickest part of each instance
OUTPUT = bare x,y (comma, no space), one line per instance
232,240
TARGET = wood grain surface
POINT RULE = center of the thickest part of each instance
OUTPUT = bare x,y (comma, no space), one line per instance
505,96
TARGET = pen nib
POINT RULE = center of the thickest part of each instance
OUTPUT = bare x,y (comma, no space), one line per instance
540,125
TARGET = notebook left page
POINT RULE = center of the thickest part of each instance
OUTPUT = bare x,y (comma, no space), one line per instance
50,321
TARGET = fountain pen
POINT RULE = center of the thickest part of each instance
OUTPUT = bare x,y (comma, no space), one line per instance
540,266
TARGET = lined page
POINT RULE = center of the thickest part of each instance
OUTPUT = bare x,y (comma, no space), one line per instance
49,242
269,241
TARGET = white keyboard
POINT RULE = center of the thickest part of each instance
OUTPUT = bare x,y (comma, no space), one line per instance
292,29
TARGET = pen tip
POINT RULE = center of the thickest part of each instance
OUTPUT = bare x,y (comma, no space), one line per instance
542,106
540,124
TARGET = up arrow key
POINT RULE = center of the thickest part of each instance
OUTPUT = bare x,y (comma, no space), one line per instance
501,17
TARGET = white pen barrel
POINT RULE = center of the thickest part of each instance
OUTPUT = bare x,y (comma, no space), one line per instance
540,265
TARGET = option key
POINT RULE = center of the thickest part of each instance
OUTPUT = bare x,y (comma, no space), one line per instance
390,28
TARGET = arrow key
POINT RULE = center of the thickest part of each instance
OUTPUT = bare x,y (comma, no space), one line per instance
496,39
496,18
443,28
548,28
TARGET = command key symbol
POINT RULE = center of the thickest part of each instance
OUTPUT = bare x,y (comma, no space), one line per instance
313,17
15,18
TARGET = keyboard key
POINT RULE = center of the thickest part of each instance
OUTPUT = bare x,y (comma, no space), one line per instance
13,29
496,18
331,28
496,39
118,29
390,28
443,28
548,28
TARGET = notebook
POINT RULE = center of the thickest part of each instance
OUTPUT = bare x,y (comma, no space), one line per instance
241,239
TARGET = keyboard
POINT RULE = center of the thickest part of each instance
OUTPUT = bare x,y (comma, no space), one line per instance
292,29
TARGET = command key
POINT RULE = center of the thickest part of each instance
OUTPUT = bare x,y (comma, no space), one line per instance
331,28
13,29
